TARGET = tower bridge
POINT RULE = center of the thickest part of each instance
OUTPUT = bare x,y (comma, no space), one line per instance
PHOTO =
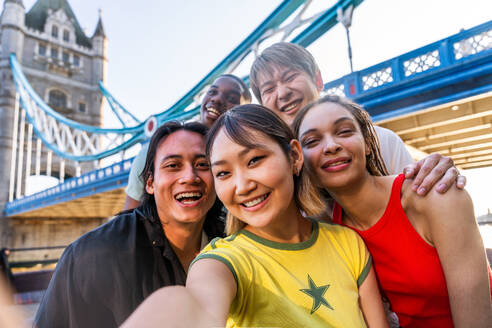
438,98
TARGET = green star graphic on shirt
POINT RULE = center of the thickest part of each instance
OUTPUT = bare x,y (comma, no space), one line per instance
317,294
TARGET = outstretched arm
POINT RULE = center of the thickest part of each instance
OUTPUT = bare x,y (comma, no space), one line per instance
371,303
204,302
434,170
453,231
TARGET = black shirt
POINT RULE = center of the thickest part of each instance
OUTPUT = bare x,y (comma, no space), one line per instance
103,276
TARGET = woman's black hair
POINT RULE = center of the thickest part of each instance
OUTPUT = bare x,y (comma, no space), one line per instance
238,123
240,120
214,221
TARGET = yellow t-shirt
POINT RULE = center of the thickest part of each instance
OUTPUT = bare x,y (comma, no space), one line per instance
309,284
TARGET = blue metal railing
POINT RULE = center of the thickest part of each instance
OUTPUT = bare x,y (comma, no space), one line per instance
97,181
422,69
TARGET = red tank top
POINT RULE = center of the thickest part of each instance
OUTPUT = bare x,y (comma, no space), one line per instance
408,269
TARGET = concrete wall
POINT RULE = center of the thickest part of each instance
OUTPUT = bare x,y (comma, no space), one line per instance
46,232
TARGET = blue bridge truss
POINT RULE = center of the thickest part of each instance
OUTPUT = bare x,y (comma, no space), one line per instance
454,68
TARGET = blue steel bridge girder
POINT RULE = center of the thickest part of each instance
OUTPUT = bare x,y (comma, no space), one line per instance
98,181
437,98
125,117
74,141
453,68
316,26
117,140
471,68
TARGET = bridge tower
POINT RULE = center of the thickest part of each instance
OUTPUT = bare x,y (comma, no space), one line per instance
62,64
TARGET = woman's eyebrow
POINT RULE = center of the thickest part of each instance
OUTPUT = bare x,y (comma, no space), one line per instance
223,161
216,163
338,121
308,131
341,119
242,153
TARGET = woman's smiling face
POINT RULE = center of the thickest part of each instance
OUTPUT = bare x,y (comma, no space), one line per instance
255,184
333,145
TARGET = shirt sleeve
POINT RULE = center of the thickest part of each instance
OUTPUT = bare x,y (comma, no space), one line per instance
365,260
217,250
395,154
135,187
236,261
357,255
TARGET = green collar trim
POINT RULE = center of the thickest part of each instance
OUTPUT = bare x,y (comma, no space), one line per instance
285,246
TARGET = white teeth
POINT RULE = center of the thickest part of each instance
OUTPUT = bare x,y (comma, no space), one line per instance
338,163
255,201
286,109
213,111
188,195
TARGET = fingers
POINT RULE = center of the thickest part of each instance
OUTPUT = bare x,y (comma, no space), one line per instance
426,166
435,169
461,182
411,170
447,180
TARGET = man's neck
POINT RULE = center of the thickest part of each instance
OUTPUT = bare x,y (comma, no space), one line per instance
185,239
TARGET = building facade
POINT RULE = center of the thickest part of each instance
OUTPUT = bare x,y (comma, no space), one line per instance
62,64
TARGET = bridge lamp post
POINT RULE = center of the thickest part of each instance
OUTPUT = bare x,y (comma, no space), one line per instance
345,17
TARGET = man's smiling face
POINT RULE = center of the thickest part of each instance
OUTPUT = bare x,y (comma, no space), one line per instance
286,91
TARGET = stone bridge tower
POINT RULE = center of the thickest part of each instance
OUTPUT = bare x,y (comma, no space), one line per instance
62,64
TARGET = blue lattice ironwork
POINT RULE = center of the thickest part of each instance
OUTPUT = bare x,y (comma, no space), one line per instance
377,78
460,57
421,63
102,180
473,45
337,90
